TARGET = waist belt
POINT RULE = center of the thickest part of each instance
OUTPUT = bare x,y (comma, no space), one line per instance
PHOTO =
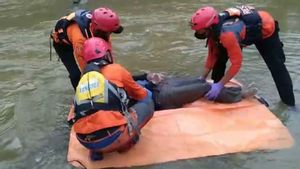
101,138
97,135
89,108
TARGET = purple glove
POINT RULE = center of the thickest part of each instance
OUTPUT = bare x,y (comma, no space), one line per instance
214,91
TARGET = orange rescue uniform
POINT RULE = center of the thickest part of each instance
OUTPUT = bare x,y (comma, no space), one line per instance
118,75
231,43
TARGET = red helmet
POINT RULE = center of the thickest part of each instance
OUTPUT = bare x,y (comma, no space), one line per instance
105,19
204,18
95,48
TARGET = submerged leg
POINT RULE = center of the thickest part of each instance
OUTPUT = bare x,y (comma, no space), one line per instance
271,49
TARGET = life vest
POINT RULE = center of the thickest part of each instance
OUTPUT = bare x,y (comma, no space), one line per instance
81,17
239,15
94,92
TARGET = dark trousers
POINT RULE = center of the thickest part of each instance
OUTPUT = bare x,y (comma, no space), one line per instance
271,50
175,93
65,53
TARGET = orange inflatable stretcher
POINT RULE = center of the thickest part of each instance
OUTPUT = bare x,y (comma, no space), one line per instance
199,129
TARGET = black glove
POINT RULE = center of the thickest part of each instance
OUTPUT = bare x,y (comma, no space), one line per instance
61,29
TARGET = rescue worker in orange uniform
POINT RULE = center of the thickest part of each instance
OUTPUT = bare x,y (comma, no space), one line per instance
71,31
228,32
103,121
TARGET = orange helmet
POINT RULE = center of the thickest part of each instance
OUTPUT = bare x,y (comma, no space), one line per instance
95,48
204,18
106,20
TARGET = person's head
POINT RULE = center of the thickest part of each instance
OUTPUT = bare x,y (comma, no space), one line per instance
104,21
203,20
95,49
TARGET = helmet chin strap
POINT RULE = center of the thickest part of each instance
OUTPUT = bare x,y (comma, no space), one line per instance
100,62
105,60
108,57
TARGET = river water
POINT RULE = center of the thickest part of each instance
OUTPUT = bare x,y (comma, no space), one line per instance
36,93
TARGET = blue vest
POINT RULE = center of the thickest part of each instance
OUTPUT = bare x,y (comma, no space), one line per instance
234,25
251,21
83,19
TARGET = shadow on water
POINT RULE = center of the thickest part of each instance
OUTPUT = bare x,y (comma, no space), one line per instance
36,93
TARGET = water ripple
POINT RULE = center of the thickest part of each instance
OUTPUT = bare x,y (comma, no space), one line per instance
6,116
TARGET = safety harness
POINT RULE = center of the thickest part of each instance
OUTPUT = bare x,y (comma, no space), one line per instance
248,15
95,93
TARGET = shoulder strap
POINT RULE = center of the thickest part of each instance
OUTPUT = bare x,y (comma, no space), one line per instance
121,94
93,106
83,19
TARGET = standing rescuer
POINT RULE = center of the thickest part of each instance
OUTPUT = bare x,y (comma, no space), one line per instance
231,30
71,32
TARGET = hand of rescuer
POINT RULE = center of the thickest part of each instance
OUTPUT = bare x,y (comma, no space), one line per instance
204,74
215,90
61,29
